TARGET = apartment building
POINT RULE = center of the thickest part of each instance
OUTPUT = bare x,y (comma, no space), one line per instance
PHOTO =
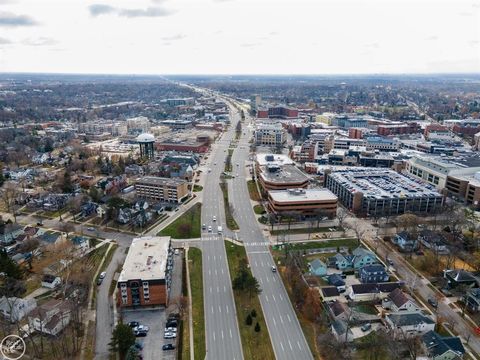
146,274
272,134
161,189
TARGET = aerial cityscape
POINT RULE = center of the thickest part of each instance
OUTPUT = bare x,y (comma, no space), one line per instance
175,185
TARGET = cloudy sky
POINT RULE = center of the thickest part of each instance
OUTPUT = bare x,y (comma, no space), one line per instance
240,36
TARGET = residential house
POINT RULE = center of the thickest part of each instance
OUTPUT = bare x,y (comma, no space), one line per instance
80,243
339,310
15,309
409,323
337,281
363,257
373,274
472,299
433,240
397,301
342,331
318,267
50,318
88,208
370,292
460,277
340,261
9,232
51,281
443,347
405,242
101,211
329,293
50,238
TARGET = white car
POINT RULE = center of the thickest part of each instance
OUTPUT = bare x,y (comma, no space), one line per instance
170,335
141,328
209,229
170,329
102,275
214,218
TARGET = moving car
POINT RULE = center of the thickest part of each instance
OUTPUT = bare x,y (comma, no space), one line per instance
209,229
168,347
91,229
433,302
219,229
204,226
214,218
102,275
274,269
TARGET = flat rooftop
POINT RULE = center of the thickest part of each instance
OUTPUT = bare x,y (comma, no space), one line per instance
379,183
273,159
146,259
302,195
283,174
160,181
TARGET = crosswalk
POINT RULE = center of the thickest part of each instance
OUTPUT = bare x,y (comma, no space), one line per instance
218,238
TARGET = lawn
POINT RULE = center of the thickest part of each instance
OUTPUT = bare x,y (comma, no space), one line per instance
196,286
253,191
258,209
306,230
231,223
186,226
197,188
351,243
255,345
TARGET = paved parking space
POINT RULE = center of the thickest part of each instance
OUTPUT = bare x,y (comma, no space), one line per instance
156,318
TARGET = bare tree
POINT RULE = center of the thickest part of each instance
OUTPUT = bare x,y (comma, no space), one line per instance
9,194
342,215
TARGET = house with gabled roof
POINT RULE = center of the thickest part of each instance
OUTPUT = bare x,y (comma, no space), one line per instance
442,347
318,267
398,300
409,323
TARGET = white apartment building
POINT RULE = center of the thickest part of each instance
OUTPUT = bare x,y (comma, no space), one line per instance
270,134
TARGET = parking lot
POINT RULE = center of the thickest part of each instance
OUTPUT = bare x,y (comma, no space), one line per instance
155,319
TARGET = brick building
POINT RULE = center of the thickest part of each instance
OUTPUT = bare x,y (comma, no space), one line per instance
161,189
145,276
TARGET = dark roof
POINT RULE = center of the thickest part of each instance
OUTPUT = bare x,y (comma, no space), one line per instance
375,288
9,228
48,278
329,291
317,263
406,235
373,268
438,345
460,275
398,297
337,308
336,279
49,237
340,327
409,318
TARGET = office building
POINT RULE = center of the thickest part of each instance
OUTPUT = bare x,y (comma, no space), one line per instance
161,189
274,177
378,192
307,202
277,112
146,274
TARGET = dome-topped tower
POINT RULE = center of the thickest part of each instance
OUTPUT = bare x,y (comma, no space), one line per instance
146,142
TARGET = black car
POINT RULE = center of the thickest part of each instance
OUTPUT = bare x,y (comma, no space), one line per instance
433,302
39,224
172,323
168,347
99,281
133,324
141,333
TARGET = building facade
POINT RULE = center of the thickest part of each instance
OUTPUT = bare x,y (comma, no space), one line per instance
162,189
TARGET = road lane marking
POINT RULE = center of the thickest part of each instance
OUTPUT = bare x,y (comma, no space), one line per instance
210,289
274,322
226,306
212,309
266,297
218,289
274,298
219,309
216,272
231,336
209,272
281,344
222,334
224,288
281,319
289,343
222,271
214,336
281,297
288,316
267,279
298,343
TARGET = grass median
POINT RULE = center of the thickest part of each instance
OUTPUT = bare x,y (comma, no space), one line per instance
255,345
253,191
198,316
187,226
231,223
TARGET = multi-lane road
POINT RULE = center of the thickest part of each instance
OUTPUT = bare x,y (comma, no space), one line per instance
222,333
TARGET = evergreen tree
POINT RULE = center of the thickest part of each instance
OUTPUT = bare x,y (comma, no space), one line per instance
257,327
2,178
253,313
248,320
122,339
67,186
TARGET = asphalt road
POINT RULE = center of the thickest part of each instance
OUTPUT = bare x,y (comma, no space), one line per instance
222,334
286,334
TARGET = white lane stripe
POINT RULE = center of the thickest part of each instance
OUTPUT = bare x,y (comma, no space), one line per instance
281,344
226,308
210,289
274,297
212,309
219,309
222,336
289,343
298,343
281,319
288,316
230,333
266,297
281,297
214,336
274,321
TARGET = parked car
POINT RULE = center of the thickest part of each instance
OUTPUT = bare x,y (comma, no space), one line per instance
168,347
140,333
39,223
141,328
171,324
171,329
366,327
138,346
91,229
102,275
176,252
133,324
170,335
433,302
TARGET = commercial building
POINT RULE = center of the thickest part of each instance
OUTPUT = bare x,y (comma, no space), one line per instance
138,125
183,146
178,124
398,129
436,169
466,127
466,187
277,112
145,277
161,189
377,192
274,177
306,202
270,134
347,121
180,102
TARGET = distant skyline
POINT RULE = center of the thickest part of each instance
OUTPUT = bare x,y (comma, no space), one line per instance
240,36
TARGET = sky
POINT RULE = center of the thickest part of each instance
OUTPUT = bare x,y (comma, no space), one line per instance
240,36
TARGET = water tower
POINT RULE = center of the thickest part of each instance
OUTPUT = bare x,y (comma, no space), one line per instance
146,142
